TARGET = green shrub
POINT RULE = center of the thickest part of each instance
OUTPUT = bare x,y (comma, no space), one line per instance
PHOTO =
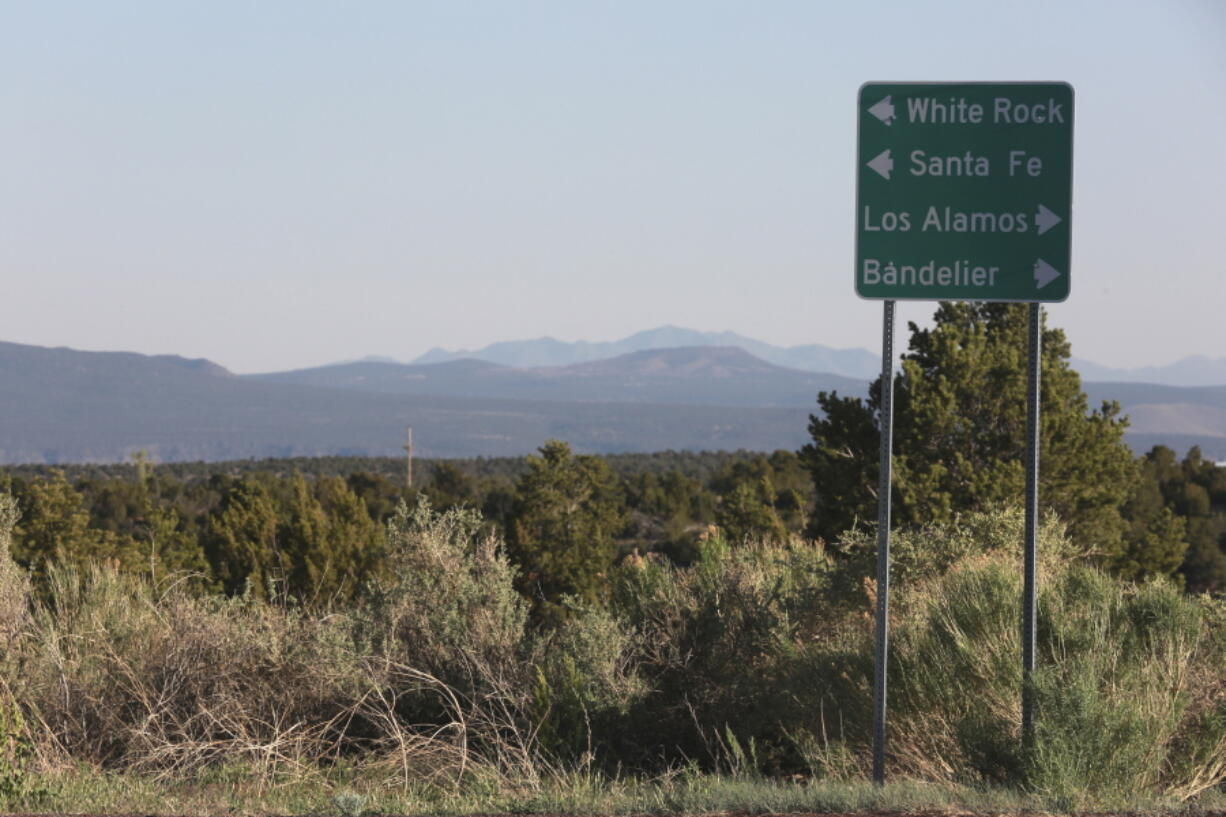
14,583
16,749
124,678
449,606
713,643
1121,689
1125,683
586,684
450,647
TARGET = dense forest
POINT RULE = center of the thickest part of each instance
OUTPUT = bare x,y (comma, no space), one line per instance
315,526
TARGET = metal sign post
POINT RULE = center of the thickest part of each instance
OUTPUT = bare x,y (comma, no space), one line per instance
883,543
1031,557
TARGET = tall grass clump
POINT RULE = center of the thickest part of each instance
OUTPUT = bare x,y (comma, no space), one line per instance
126,677
428,680
714,644
17,746
450,654
1128,686
1130,694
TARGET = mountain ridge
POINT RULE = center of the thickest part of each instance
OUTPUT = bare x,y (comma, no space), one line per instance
548,351
705,375
104,406
1193,370
63,405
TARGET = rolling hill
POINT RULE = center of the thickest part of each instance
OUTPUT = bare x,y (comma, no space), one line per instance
61,405
712,375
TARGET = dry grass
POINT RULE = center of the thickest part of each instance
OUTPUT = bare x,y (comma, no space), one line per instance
124,676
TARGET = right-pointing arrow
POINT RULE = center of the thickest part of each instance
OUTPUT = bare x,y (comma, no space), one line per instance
1044,273
1045,219
882,163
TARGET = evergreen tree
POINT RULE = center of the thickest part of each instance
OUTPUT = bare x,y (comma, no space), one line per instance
761,497
959,440
173,546
378,493
748,512
302,538
55,528
315,537
241,544
354,541
561,535
451,486
1195,492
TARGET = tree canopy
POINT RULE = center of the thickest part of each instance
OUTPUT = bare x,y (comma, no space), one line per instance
561,535
959,440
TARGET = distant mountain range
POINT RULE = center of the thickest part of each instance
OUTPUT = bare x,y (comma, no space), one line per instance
1196,370
61,405
710,375
857,363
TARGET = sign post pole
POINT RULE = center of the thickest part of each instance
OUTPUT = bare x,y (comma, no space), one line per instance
883,543
1030,559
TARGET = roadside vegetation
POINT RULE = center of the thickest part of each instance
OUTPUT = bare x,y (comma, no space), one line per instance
577,639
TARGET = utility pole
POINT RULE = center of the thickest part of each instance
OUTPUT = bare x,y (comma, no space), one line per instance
408,449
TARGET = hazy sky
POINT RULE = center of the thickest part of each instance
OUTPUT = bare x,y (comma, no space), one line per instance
282,184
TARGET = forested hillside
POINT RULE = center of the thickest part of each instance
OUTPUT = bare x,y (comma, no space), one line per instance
176,516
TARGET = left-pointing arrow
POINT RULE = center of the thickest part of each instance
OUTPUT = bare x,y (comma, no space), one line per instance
882,163
883,110
1044,273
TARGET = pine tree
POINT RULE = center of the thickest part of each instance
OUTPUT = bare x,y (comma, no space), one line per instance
354,542
959,440
55,529
241,544
1194,491
567,511
174,550
450,487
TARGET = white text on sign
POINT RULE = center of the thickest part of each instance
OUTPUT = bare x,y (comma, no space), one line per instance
1004,111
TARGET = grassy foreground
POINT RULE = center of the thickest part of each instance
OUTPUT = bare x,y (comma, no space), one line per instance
234,791
741,683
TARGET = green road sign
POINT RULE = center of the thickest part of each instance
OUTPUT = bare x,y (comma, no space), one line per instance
964,191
